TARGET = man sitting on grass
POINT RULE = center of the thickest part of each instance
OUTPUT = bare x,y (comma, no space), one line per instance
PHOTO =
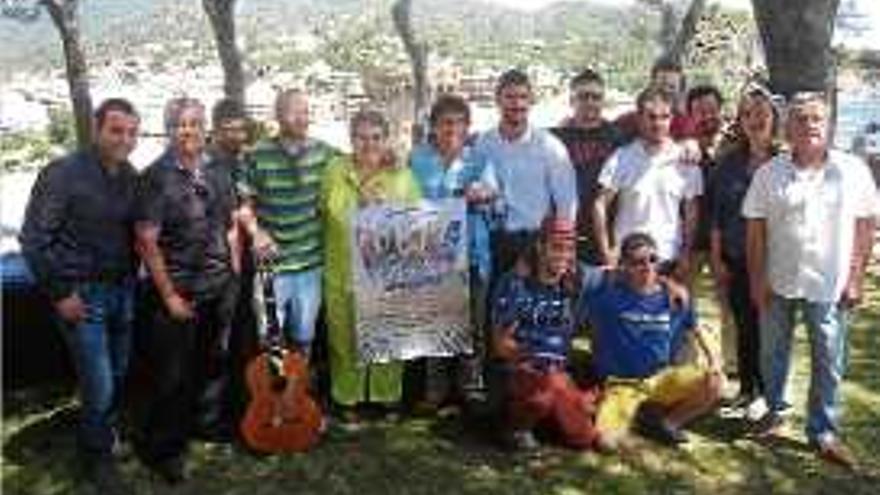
533,324
638,327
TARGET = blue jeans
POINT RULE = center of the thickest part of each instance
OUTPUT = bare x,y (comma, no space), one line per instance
100,345
827,328
298,299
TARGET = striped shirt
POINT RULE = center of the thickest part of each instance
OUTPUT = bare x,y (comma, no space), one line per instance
285,184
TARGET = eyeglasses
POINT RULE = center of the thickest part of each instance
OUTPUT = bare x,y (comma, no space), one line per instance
650,260
589,95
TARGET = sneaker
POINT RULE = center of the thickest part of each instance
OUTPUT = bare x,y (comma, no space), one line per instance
769,425
835,452
170,470
106,478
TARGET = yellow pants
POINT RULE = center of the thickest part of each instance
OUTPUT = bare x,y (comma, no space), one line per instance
622,396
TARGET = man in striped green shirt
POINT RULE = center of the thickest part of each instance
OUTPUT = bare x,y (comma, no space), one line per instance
281,214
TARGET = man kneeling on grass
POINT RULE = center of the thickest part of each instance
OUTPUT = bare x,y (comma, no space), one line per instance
533,324
638,327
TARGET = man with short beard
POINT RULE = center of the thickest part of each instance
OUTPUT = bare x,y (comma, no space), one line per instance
533,177
77,240
280,213
653,184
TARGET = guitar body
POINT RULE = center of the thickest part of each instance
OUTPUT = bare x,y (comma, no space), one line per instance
282,416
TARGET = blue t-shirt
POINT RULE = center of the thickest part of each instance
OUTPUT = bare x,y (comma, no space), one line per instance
634,335
542,313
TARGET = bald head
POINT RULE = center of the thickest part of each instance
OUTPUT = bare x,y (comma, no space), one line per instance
292,112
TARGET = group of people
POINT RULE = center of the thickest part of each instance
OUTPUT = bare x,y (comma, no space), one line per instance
594,224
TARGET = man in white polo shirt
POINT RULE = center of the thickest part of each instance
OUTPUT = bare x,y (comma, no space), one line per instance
810,227
528,169
653,183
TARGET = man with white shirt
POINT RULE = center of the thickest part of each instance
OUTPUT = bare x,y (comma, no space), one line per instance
810,228
655,188
531,172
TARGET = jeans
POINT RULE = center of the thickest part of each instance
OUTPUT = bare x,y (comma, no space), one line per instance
100,345
826,325
298,299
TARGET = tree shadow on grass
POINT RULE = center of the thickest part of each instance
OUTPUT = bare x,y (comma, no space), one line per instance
40,456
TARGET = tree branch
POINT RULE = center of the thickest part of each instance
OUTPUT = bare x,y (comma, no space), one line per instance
401,13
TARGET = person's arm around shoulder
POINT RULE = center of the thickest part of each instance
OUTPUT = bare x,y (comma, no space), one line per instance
608,185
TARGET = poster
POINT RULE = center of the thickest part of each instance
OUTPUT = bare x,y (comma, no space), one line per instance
410,281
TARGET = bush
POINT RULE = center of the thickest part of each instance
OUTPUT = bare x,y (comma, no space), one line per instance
62,127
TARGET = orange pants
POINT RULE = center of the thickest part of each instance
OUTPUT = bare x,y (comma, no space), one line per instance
551,398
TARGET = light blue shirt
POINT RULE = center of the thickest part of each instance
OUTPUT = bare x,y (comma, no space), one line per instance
532,175
438,181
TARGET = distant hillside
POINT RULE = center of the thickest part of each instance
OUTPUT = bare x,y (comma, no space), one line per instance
112,26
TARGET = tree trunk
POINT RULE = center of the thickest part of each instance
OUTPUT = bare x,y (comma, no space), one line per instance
66,19
677,48
221,14
401,12
797,43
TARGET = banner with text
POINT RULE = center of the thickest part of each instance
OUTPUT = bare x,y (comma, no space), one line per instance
410,271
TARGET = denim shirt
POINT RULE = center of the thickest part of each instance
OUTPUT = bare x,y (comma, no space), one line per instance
438,181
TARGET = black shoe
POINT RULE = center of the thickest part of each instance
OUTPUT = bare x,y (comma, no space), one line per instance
221,435
106,478
650,423
170,470
768,426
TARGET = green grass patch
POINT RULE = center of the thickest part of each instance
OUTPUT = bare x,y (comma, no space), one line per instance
441,456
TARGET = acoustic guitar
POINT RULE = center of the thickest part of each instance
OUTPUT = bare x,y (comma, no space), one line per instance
281,416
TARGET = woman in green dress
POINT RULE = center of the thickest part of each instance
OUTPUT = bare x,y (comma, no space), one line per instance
367,176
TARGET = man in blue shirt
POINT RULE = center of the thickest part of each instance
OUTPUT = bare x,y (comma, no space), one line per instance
445,167
533,324
531,172
637,332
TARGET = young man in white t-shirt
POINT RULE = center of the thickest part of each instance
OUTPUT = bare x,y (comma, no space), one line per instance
655,187
811,219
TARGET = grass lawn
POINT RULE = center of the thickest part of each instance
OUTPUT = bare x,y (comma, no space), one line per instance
427,456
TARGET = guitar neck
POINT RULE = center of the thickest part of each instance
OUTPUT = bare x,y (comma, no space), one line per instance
274,335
